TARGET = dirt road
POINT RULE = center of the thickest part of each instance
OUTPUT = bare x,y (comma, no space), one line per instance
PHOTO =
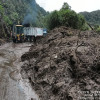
12,86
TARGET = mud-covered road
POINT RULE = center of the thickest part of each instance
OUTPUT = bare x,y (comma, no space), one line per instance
12,86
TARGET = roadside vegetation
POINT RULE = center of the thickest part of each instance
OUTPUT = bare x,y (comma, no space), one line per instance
29,12
93,18
17,12
65,17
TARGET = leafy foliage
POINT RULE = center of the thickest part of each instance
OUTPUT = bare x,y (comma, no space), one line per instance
1,10
92,17
66,6
97,28
65,17
53,20
17,11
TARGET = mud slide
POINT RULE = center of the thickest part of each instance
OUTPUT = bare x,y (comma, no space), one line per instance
12,86
65,65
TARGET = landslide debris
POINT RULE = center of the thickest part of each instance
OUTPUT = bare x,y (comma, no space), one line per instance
64,65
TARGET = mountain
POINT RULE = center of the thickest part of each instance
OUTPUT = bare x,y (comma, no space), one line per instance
92,17
19,12
22,10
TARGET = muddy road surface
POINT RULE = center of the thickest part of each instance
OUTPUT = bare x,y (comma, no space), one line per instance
12,86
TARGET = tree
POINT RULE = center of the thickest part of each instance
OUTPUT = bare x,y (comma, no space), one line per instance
15,11
92,17
66,6
53,20
1,11
65,17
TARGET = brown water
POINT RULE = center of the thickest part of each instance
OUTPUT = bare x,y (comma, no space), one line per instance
12,86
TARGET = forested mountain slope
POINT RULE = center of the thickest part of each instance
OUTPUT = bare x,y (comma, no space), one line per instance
92,17
19,12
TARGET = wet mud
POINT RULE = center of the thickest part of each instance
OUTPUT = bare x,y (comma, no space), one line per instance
12,86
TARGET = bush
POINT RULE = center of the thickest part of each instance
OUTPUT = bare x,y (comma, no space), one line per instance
65,17
98,29
53,20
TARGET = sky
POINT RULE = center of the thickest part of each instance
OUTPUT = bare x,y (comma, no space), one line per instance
76,5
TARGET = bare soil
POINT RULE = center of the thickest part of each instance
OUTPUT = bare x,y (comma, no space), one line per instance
64,65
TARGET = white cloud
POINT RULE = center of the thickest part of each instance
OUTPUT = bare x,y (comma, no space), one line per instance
51,5
77,5
84,5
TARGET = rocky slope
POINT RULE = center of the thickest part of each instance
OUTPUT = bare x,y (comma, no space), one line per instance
64,65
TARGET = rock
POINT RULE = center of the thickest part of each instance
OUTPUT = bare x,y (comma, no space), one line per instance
60,84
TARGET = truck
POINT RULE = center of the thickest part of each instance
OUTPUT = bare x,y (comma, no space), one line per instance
22,34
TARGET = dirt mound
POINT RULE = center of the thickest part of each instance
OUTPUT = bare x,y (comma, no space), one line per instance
64,65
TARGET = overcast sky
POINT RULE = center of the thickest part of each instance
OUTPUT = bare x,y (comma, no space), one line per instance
76,5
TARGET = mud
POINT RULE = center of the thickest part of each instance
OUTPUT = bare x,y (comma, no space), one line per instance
12,86
2,41
64,65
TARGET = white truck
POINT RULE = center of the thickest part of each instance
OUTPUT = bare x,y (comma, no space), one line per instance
21,33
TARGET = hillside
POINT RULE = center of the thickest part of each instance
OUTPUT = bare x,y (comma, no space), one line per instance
19,12
92,17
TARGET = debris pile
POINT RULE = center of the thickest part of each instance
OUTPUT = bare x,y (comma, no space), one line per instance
64,65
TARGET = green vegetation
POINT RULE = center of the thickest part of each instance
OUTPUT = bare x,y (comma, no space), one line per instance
17,12
92,17
29,12
65,17
97,28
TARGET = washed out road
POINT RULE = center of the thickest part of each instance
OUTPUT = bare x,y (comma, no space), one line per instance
12,86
